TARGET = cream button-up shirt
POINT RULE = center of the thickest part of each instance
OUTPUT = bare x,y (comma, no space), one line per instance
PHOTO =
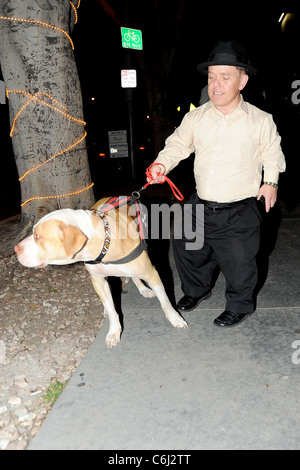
231,150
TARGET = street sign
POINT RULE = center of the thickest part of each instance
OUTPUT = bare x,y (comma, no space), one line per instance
118,146
132,38
128,78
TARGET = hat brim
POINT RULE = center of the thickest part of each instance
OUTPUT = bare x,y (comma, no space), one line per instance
203,68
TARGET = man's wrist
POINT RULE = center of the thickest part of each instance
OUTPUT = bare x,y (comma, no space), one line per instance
269,183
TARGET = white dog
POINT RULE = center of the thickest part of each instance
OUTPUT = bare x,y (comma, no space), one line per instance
68,236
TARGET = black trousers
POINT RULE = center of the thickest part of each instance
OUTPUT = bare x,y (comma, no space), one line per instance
231,242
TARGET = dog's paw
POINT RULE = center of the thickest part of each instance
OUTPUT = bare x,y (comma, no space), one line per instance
112,339
177,321
146,292
143,289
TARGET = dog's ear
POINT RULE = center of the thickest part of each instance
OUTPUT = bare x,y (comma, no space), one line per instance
73,239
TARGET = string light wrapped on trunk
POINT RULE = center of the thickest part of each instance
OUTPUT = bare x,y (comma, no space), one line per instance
47,100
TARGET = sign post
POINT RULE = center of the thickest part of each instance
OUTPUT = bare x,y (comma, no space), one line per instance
131,39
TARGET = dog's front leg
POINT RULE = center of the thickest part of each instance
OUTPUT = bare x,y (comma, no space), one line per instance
102,288
171,314
156,285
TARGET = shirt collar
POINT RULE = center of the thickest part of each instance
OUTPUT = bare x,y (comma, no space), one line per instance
242,105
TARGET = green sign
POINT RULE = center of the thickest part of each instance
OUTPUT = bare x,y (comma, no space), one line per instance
132,38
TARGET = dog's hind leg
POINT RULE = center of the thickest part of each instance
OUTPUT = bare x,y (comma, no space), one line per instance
143,290
102,288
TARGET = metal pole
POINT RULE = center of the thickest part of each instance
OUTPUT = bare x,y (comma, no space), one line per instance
129,95
131,143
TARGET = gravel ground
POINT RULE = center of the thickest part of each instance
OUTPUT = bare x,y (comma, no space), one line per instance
48,319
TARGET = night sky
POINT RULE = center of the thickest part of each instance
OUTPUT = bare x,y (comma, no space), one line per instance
100,58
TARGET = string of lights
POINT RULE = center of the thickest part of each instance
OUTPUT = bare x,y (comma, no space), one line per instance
54,156
47,100
75,10
58,197
59,107
39,23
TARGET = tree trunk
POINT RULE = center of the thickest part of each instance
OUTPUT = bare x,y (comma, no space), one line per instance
37,59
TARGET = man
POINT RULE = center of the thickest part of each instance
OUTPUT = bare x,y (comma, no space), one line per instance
235,145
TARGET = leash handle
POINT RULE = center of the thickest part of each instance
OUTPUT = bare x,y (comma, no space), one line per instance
174,188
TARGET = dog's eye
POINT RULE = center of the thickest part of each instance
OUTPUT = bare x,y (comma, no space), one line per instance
36,237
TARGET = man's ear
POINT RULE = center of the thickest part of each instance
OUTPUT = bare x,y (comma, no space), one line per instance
243,81
73,239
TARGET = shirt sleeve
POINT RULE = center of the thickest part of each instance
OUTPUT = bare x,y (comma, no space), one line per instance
271,154
179,145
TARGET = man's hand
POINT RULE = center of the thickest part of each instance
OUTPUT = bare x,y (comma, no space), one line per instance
157,172
270,195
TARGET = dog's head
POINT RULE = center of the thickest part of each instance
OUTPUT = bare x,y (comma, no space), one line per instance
56,239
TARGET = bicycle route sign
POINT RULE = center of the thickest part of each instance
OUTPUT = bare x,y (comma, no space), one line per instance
132,38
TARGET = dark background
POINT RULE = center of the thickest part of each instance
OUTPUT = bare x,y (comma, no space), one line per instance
100,58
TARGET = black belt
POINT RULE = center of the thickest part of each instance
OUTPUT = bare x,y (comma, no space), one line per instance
220,206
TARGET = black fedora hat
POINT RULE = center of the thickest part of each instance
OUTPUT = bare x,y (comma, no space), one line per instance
228,53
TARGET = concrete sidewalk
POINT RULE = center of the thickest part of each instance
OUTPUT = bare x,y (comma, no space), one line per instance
200,388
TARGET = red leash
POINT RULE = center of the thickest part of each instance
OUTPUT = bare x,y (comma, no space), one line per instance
175,190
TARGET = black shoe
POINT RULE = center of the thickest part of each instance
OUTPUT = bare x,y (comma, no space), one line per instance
187,303
228,318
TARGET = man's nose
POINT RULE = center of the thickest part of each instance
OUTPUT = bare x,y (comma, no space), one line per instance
217,82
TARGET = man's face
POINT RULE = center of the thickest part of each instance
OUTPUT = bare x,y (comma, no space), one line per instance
224,85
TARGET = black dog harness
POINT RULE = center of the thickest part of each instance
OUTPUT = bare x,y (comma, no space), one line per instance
114,203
